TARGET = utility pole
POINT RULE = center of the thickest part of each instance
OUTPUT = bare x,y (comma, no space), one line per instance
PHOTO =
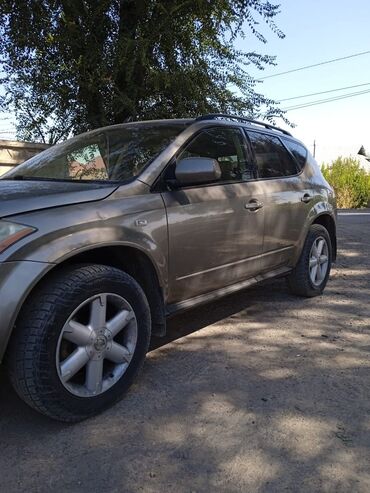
314,148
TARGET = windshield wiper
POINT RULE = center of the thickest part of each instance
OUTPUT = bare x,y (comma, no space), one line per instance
32,178
16,177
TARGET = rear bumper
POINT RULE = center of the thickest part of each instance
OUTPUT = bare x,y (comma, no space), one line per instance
16,281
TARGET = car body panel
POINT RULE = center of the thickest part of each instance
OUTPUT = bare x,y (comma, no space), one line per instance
16,281
137,221
311,182
214,240
201,240
225,290
282,205
26,196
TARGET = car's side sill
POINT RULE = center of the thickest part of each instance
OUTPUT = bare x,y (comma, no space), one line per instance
219,293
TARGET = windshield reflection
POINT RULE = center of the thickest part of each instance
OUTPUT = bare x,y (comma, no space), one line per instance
118,153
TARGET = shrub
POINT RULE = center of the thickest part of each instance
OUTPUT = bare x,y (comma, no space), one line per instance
350,182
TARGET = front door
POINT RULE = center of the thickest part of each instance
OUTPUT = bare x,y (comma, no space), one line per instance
215,232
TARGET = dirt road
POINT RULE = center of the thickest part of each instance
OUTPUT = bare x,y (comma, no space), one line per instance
271,395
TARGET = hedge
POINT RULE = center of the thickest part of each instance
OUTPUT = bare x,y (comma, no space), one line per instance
350,182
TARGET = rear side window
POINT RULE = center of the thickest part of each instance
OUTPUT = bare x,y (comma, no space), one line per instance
272,159
298,151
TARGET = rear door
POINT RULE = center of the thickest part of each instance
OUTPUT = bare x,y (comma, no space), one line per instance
215,232
277,171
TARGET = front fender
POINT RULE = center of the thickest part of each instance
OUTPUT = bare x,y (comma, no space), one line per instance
17,279
67,231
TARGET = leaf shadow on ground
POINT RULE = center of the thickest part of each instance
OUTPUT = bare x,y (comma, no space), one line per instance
274,395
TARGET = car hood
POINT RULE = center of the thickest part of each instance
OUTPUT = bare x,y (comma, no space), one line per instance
18,197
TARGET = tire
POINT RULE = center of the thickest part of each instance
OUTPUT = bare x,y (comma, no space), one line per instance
64,318
302,280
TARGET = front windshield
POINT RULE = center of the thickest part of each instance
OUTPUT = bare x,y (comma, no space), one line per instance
117,153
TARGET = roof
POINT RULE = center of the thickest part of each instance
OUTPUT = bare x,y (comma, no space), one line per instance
242,119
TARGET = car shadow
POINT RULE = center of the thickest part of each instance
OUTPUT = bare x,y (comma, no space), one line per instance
178,326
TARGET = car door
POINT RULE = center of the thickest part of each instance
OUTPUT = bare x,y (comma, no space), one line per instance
277,172
215,230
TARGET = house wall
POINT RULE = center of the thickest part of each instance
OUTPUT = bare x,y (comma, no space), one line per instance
13,153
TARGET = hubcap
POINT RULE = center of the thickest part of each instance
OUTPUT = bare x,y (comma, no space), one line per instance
96,345
100,343
319,261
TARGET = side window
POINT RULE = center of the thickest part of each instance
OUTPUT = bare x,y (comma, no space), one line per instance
87,164
227,146
273,160
298,151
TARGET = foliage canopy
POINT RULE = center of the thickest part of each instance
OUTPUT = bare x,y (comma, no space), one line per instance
73,65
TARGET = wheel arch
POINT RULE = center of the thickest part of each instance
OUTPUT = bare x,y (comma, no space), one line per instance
328,222
129,259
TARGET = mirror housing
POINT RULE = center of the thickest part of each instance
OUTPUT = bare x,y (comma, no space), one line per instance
197,170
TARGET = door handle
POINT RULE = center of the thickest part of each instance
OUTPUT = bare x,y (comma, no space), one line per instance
253,205
306,198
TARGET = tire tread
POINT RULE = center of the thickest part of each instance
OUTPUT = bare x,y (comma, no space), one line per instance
26,358
299,281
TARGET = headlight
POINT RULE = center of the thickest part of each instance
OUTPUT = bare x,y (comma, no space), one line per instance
11,233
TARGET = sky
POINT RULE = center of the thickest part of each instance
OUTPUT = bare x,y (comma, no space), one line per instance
317,31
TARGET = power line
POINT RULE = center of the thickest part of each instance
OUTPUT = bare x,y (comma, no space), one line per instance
315,65
323,92
328,100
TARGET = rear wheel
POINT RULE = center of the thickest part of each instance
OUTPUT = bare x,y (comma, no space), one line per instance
311,273
79,342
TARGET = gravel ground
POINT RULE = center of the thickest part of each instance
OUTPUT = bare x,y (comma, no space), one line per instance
271,395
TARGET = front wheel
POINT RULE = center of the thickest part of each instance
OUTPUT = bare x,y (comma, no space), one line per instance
310,275
79,342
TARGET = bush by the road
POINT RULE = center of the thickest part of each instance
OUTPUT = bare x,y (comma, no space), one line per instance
350,182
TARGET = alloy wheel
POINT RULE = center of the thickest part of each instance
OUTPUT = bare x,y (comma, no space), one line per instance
319,260
96,345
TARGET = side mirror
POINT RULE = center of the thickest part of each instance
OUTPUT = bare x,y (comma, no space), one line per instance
197,170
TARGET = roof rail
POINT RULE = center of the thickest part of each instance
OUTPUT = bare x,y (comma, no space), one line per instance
222,116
